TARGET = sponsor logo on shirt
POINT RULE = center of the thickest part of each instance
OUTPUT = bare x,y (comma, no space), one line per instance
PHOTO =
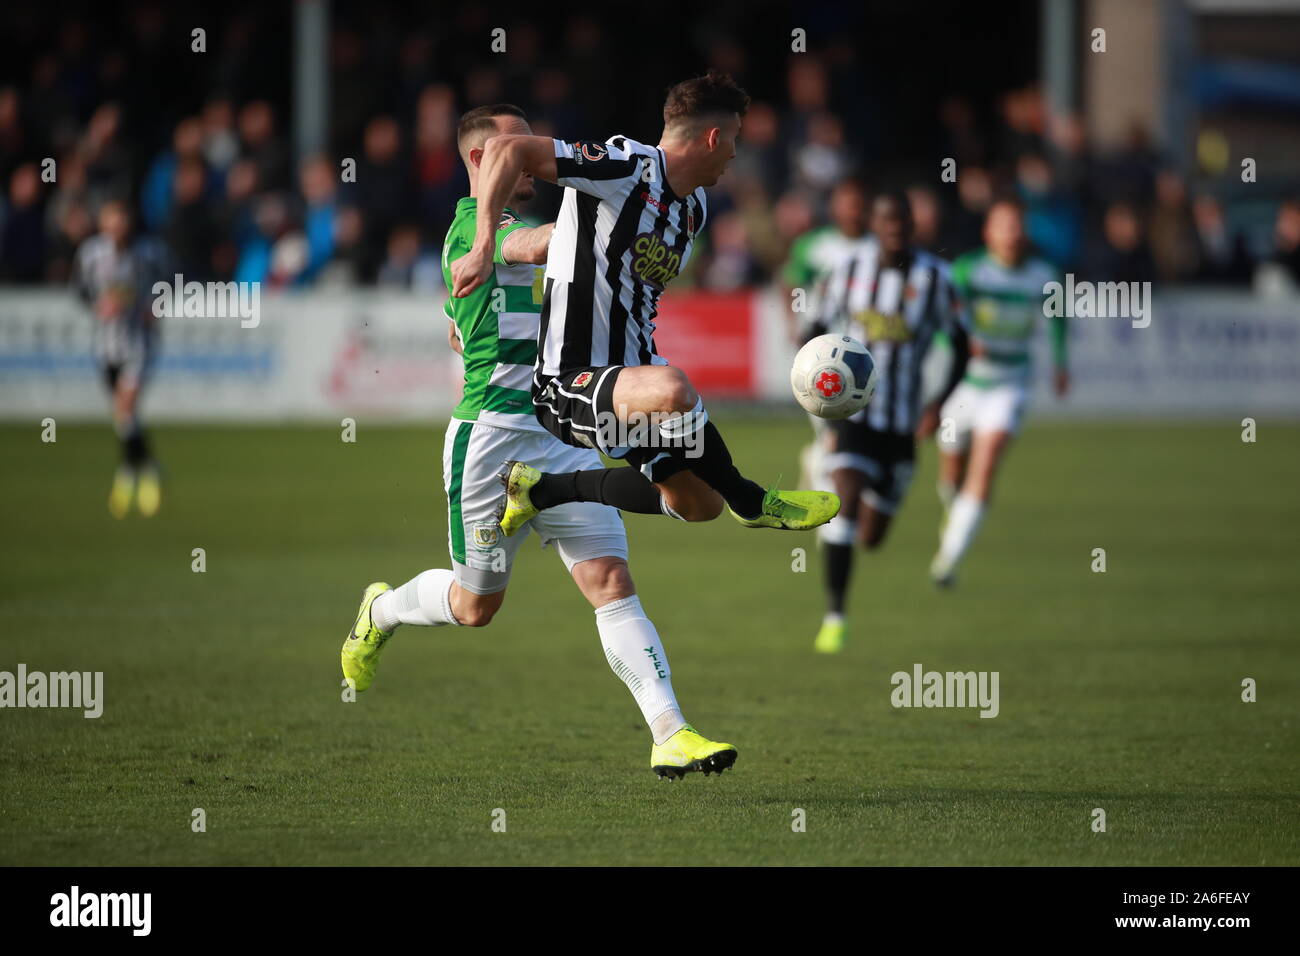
883,328
651,201
653,261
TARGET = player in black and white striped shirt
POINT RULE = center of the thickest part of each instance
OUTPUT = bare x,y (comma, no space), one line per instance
893,297
113,275
630,216
621,235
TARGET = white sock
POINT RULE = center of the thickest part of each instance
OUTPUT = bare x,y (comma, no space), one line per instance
963,521
636,655
664,507
947,492
674,428
424,600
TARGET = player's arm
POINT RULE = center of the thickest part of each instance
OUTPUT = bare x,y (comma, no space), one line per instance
505,157
527,244
953,325
449,313
597,169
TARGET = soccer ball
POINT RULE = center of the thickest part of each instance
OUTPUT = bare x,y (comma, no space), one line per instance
833,376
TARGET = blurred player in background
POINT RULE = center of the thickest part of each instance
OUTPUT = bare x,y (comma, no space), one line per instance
815,253
495,329
114,276
1001,288
812,256
894,298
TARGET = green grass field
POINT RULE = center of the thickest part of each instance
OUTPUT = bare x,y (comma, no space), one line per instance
1118,690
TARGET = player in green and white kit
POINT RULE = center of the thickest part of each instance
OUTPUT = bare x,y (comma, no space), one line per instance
816,252
1002,289
495,329
812,257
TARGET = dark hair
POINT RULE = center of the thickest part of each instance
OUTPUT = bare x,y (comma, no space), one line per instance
714,92
1008,199
480,118
856,182
898,197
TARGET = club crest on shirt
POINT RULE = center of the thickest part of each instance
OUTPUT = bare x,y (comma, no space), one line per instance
591,152
582,380
486,534
508,219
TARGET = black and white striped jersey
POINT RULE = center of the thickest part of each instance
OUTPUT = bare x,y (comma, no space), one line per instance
895,312
621,236
99,266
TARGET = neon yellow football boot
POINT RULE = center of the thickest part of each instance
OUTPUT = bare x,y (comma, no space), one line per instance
122,492
365,642
793,510
686,752
148,492
518,508
830,639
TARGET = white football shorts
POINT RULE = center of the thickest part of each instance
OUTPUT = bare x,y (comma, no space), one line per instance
473,456
972,408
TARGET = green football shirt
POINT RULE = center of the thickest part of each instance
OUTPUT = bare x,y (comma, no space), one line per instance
497,324
1003,305
813,255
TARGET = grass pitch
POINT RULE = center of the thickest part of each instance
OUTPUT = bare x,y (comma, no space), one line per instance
1119,690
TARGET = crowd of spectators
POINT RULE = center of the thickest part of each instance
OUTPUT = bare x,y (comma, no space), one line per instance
231,200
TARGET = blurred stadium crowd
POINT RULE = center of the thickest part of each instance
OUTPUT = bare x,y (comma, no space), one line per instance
207,163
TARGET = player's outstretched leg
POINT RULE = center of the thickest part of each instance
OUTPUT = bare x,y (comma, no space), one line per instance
697,444
662,398
529,490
